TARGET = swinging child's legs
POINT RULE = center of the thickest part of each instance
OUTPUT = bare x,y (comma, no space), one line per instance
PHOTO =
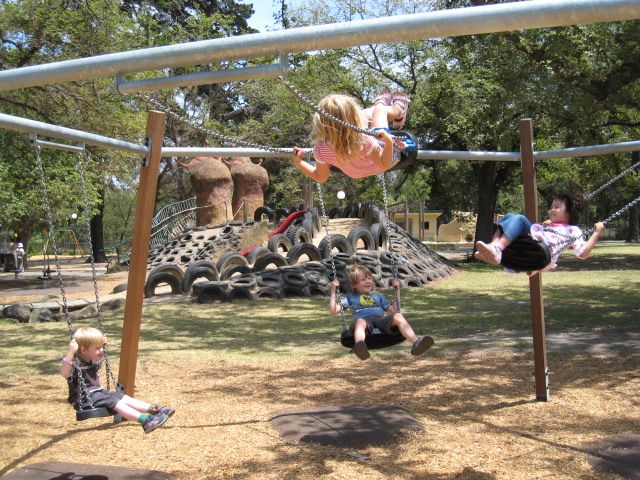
359,335
506,230
148,415
388,108
418,345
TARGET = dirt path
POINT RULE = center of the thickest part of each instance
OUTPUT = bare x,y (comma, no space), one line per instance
77,279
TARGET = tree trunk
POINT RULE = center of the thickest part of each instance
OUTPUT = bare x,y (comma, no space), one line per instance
634,225
487,196
97,233
634,212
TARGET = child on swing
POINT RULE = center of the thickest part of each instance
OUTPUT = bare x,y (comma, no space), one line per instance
373,310
87,348
356,154
558,232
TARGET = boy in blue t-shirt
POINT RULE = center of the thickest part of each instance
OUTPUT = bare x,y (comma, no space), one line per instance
372,310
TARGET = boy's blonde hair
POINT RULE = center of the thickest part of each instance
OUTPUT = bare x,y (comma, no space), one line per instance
88,337
345,142
356,272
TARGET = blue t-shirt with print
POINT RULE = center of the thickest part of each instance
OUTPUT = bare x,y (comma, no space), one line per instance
366,305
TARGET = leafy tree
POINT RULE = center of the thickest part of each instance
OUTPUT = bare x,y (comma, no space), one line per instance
36,33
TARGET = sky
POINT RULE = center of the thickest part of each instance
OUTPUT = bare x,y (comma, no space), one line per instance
264,14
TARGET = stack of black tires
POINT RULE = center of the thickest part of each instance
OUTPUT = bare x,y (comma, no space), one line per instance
291,265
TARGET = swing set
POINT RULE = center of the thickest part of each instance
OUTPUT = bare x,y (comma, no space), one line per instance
462,21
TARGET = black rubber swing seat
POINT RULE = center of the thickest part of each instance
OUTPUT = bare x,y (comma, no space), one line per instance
95,412
525,254
373,340
409,156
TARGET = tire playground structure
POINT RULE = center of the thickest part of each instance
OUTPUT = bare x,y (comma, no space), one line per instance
294,260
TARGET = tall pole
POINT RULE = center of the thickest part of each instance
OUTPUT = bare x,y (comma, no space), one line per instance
140,252
535,282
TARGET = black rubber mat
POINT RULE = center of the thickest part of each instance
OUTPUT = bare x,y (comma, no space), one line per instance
354,427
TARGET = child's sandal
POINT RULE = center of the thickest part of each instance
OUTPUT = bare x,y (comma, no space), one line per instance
384,98
401,100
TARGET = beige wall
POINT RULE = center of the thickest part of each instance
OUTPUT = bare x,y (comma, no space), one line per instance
454,232
413,228
461,229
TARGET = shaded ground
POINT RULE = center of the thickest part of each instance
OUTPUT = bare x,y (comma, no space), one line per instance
477,409
474,399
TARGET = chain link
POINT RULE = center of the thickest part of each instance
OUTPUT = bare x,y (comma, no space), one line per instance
220,136
614,179
325,223
397,150
85,213
52,238
387,228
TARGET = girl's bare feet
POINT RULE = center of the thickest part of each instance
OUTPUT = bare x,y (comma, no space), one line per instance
489,253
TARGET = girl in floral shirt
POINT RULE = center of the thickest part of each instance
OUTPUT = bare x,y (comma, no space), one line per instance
558,232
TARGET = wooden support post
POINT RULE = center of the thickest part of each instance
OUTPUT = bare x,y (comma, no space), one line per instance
535,282
140,252
407,226
307,194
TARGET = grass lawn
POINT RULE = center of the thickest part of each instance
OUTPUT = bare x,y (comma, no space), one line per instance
229,367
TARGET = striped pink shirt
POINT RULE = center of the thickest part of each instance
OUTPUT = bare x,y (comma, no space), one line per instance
359,167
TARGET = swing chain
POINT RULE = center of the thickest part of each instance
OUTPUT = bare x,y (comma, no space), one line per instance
85,398
387,228
325,222
613,180
621,211
52,237
397,151
85,198
324,113
569,239
209,132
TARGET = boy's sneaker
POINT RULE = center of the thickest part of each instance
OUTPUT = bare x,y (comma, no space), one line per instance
154,421
157,408
361,351
422,345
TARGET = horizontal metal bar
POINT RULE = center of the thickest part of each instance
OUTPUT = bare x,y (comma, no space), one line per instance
34,140
463,155
190,152
590,151
25,125
468,155
444,23
200,78
33,127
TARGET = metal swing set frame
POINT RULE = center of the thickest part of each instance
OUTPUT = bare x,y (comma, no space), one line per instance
446,23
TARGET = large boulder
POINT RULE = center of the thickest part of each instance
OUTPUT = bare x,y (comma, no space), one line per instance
40,315
19,312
